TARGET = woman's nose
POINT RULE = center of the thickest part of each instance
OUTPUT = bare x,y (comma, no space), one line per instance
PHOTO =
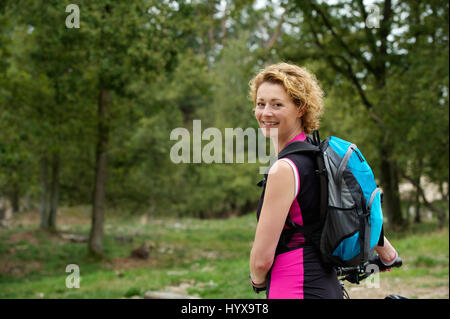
267,111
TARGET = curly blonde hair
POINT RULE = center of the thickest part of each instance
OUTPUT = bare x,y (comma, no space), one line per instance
301,85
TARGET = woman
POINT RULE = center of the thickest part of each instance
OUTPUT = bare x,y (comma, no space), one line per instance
288,103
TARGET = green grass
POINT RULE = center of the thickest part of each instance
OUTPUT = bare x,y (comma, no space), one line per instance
206,258
424,249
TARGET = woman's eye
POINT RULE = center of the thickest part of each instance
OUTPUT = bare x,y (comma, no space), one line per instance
278,105
260,104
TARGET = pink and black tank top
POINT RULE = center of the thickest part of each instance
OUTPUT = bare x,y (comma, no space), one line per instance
304,209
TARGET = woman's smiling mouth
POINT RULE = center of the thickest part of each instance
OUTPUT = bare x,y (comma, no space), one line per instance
269,123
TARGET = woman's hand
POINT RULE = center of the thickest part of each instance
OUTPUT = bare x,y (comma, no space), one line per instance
258,287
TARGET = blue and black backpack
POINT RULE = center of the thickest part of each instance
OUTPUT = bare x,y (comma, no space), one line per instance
351,217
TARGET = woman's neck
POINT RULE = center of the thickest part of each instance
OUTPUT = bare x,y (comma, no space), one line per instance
282,142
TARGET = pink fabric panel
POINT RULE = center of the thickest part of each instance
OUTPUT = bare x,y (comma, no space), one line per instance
287,276
299,137
295,211
296,215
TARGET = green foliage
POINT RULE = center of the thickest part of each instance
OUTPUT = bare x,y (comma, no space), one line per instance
169,63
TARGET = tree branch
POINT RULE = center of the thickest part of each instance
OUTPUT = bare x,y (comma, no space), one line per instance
273,39
385,25
224,23
338,38
350,74
384,32
369,35
368,105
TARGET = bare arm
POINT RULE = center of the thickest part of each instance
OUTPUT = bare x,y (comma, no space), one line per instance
278,198
386,252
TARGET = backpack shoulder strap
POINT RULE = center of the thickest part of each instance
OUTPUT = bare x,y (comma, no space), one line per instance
298,147
294,147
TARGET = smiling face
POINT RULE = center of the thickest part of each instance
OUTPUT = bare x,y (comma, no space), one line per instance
274,109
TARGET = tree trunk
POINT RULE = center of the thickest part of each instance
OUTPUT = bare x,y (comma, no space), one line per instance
441,214
14,197
98,209
389,183
50,193
54,196
417,218
44,209
409,205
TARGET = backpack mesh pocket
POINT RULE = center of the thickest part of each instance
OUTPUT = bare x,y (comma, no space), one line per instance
340,233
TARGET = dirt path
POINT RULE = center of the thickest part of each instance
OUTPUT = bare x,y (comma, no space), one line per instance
417,288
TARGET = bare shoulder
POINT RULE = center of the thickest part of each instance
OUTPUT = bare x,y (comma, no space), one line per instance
280,184
280,172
